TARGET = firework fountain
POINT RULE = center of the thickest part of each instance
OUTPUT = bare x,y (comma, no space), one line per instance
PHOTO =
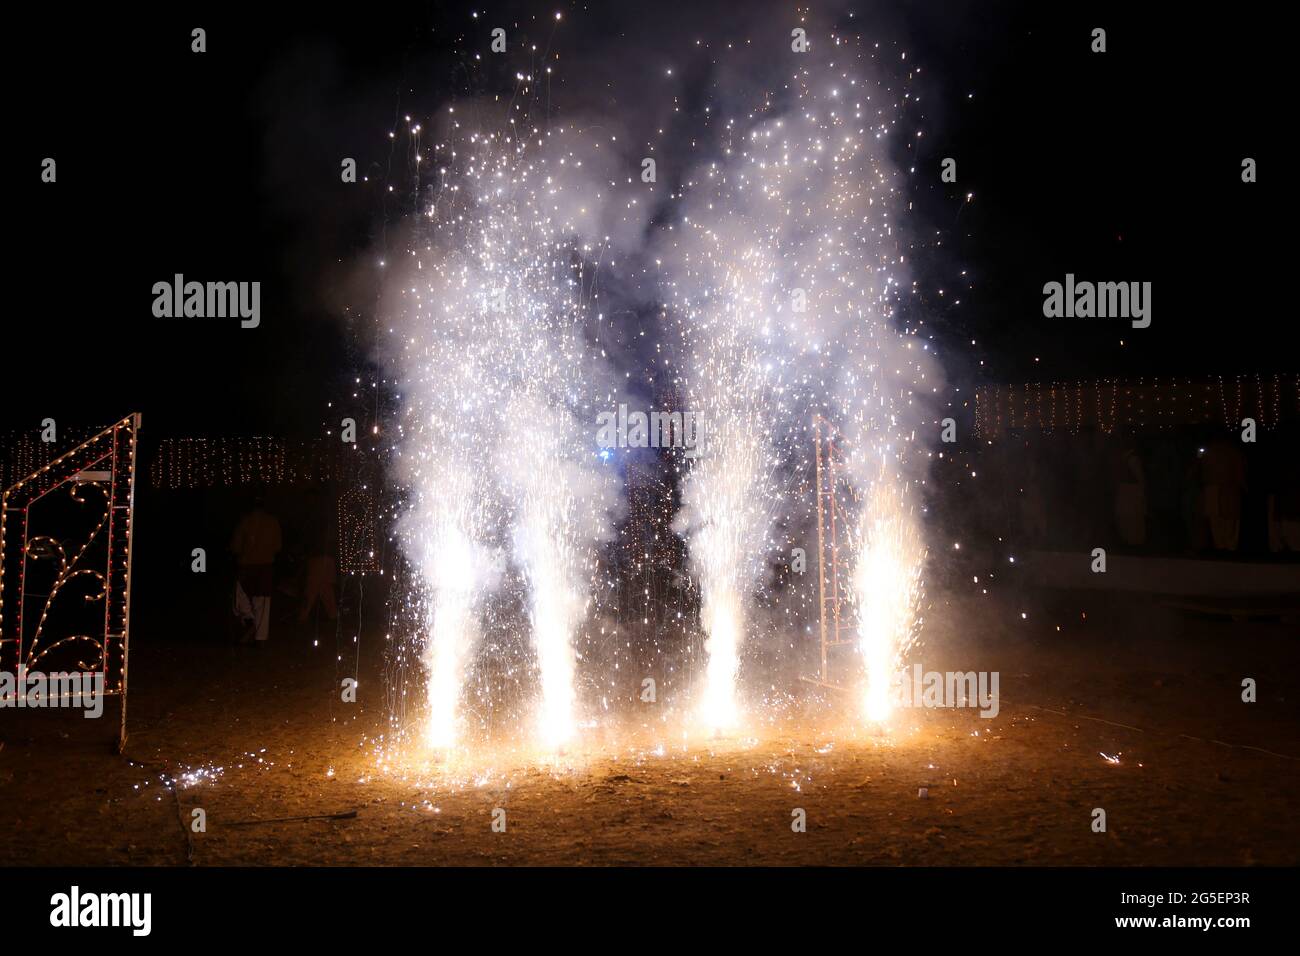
499,376
785,274
728,496
778,264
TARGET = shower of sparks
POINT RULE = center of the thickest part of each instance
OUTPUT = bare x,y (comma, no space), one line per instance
729,494
504,486
778,272
448,564
886,590
783,274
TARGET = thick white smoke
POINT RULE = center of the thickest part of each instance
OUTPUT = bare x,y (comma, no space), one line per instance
784,272
781,263
493,315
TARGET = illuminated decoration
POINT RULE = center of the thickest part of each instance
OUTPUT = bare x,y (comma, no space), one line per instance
182,464
358,540
37,571
189,463
24,452
832,514
1144,404
643,578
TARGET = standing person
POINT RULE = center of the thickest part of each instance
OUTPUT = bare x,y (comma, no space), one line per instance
319,579
255,543
1224,471
1033,501
1128,478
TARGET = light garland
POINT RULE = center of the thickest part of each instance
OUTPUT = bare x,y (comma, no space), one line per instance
1147,404
358,550
191,463
113,447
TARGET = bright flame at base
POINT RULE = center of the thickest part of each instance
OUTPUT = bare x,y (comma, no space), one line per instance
718,708
876,704
555,661
887,587
443,661
554,549
450,570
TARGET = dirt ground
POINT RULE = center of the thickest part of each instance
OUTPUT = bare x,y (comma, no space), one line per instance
1153,731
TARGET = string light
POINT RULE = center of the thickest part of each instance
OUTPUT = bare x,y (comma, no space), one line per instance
1148,403
79,470
190,463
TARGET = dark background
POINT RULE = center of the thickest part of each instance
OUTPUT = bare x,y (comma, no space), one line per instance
225,165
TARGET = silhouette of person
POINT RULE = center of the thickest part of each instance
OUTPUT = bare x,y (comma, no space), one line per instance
1224,473
319,580
255,544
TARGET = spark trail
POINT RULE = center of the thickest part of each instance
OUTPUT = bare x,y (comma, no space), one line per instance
498,377
784,273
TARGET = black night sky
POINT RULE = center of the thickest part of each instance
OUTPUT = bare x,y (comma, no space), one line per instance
536,496
1124,165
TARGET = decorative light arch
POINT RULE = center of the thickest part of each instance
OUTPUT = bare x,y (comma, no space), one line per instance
101,469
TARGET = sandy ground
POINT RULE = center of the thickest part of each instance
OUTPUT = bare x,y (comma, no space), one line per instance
254,734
